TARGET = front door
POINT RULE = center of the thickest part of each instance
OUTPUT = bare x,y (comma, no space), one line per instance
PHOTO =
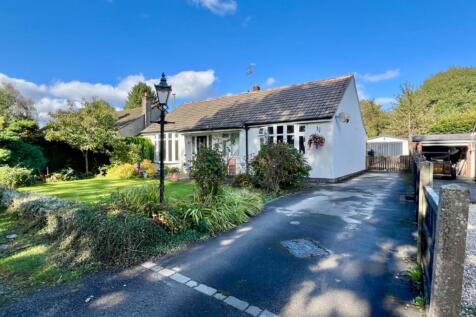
201,142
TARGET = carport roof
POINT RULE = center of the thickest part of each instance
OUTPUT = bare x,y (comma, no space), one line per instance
444,139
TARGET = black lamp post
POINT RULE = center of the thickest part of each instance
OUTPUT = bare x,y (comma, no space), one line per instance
163,92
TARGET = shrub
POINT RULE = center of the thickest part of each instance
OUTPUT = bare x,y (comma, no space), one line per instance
66,174
137,199
26,155
223,211
209,170
13,177
243,180
122,171
149,168
87,234
279,166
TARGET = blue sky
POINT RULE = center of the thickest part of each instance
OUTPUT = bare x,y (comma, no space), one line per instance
60,50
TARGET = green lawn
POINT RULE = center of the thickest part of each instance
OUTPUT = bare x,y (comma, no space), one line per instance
94,189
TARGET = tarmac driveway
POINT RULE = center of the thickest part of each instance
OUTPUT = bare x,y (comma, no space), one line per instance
351,243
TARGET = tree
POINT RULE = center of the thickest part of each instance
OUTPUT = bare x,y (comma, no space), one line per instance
13,105
134,99
375,119
16,148
450,92
410,116
89,129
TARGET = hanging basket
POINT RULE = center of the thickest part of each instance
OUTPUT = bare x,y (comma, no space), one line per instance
316,140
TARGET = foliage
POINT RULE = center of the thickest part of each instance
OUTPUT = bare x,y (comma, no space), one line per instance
419,302
132,150
410,117
174,170
89,129
138,199
114,239
15,149
13,105
209,170
122,171
444,103
415,274
12,177
279,166
25,155
455,123
449,92
134,98
375,119
145,147
148,167
316,140
223,211
66,174
243,180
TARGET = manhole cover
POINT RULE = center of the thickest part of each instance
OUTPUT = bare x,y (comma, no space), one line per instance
304,248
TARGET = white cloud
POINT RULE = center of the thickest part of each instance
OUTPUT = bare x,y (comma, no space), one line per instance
186,85
383,101
360,92
219,7
270,81
373,78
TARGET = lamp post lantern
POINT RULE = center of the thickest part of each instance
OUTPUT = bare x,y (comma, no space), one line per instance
163,93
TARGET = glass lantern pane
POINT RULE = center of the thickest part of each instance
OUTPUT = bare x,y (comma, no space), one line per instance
163,95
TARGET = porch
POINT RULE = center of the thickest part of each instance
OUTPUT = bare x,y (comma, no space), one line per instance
226,142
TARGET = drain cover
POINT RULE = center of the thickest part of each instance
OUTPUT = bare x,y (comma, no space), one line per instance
304,248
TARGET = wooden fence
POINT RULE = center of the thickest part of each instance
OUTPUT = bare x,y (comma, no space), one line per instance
388,163
442,224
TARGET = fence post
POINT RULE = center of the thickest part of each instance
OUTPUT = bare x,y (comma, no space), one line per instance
450,247
426,179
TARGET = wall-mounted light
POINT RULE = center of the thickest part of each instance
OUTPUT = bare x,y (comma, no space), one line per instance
343,117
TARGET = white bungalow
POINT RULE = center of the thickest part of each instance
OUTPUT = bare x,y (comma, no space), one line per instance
239,124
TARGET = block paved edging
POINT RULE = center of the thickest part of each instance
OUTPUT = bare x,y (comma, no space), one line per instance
208,290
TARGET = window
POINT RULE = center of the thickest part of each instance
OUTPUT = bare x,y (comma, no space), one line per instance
279,139
290,129
270,139
302,128
290,139
270,130
279,129
171,147
302,144
169,150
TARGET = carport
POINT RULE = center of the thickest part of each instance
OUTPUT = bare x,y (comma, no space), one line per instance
456,148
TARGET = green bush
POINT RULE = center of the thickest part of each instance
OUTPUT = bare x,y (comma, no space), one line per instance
243,180
209,170
137,199
66,174
13,177
148,168
87,234
26,155
122,171
224,211
279,166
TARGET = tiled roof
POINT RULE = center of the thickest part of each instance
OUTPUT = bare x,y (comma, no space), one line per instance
126,116
307,101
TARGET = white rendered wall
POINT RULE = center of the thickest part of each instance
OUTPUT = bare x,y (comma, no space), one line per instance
349,139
